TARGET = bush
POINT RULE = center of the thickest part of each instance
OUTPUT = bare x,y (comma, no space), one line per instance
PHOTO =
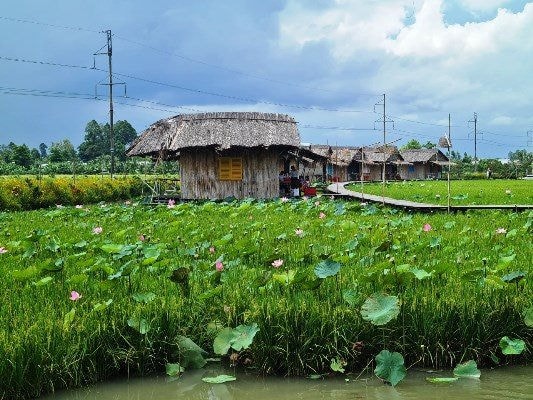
30,193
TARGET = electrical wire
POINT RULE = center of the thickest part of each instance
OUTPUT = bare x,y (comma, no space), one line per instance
25,21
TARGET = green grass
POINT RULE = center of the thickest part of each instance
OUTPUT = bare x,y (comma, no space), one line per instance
454,281
462,192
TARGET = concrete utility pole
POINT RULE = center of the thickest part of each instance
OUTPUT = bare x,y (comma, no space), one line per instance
109,54
385,120
475,140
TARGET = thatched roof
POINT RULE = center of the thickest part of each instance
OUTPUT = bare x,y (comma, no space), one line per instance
376,155
423,155
220,130
337,155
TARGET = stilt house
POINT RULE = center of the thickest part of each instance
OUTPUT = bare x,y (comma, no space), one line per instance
224,154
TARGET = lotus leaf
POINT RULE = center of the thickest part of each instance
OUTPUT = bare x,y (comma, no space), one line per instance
467,370
285,278
112,248
327,268
174,369
351,296
441,380
68,318
390,367
223,340
528,316
512,346
380,308
102,306
420,273
140,325
191,355
219,379
239,338
514,276
337,365
44,281
144,297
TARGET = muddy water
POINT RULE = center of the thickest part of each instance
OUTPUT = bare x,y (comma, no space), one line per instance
505,383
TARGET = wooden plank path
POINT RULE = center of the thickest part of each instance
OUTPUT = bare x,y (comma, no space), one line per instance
339,189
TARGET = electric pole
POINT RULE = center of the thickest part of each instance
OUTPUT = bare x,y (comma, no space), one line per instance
475,140
109,54
385,120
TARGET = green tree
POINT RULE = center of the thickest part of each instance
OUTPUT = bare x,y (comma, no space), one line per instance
522,161
412,144
22,156
42,148
429,145
62,151
97,140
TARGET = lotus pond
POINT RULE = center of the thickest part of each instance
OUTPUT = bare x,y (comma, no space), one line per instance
501,191
312,288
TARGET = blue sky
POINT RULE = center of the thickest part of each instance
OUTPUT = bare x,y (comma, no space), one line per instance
327,63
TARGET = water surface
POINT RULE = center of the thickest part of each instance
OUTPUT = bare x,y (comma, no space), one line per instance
503,383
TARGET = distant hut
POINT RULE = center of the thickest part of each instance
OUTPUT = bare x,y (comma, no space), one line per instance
224,154
423,163
374,157
338,161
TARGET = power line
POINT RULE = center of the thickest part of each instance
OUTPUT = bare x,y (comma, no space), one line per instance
235,71
199,91
25,21
340,128
423,123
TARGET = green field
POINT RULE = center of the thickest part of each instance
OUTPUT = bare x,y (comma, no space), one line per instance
462,192
147,278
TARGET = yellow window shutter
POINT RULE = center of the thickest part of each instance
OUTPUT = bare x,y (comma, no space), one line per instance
230,169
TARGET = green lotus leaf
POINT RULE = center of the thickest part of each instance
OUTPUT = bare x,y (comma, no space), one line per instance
420,273
144,297
467,370
44,281
223,341
528,316
351,296
112,248
327,268
191,355
380,308
337,365
68,318
512,346
245,336
441,380
285,278
514,276
219,379
390,367
140,325
174,369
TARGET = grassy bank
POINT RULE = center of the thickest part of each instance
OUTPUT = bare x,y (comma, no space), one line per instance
144,276
462,192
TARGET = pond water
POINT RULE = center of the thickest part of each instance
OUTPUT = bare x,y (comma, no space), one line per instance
504,383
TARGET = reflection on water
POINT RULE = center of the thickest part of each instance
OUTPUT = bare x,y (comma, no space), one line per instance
505,383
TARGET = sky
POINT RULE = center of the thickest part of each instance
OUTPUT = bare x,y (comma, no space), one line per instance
331,64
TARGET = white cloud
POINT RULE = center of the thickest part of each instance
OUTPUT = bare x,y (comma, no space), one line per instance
483,5
502,120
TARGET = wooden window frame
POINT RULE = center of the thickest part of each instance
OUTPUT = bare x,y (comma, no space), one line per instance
230,168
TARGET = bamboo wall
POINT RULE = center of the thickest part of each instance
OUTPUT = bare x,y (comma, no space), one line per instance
199,174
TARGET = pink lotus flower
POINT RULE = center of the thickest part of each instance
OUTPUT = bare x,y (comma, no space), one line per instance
284,199
75,296
142,238
171,203
3,250
321,215
98,230
299,232
79,206
212,250
219,266
426,227
501,231
277,263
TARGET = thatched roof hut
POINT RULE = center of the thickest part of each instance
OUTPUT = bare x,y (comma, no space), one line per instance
424,163
223,154
220,130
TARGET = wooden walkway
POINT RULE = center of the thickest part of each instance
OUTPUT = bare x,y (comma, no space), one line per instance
340,190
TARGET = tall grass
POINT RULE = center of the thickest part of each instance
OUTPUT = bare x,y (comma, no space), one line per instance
458,311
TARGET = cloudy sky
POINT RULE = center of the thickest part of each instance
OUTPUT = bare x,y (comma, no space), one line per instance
325,62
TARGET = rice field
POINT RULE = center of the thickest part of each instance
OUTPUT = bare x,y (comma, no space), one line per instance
462,192
94,292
